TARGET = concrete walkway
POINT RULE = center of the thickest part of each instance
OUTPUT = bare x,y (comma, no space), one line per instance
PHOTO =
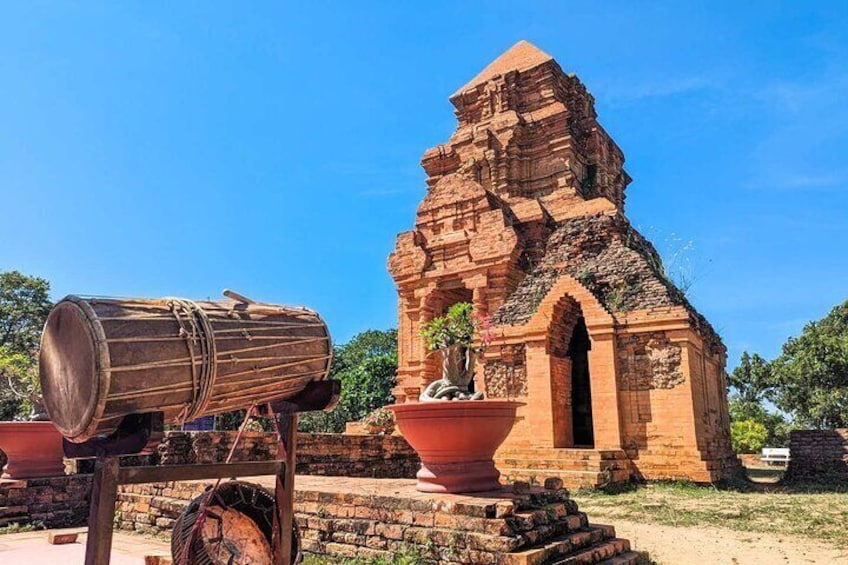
31,548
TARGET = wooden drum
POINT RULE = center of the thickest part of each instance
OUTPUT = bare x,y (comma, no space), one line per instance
105,358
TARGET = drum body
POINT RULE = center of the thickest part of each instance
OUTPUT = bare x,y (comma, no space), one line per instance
103,359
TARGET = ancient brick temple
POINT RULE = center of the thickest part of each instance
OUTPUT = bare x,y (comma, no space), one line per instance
524,217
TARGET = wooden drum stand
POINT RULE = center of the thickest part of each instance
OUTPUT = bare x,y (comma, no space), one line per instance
136,431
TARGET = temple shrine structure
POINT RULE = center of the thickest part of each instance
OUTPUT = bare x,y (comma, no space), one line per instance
524,218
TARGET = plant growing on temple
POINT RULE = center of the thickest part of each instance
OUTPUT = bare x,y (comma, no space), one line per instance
24,306
452,335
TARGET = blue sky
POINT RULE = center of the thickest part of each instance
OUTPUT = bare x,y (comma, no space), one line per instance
180,148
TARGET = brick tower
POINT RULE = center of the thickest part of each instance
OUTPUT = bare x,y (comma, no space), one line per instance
524,217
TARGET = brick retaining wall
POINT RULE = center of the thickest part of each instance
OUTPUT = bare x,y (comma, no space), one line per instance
63,501
54,503
821,454
349,455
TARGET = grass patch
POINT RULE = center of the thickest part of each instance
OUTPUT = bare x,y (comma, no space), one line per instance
406,557
814,510
16,528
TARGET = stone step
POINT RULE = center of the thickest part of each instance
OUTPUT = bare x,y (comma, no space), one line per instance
626,558
561,546
598,553
570,479
570,523
563,453
563,464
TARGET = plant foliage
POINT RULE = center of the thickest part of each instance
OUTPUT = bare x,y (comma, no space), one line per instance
808,380
810,377
367,369
456,327
748,436
24,305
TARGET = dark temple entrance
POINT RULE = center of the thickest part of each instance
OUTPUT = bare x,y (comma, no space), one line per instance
581,392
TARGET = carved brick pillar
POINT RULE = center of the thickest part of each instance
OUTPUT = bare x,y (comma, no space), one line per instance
540,418
430,361
409,359
605,407
561,401
480,300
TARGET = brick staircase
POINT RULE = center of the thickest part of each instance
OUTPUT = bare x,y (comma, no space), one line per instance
584,544
577,468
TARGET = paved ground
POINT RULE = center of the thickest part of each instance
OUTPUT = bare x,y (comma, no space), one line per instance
31,548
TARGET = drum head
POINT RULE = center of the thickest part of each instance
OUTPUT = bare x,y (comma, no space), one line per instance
236,528
68,369
230,537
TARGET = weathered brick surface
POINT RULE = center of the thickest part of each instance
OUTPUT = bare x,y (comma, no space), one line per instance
63,501
318,454
54,502
357,517
524,217
380,517
818,454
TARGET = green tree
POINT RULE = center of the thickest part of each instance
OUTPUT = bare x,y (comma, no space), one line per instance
810,377
748,436
24,305
777,428
751,380
752,385
367,369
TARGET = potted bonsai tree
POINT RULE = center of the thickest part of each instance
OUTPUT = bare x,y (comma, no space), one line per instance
452,335
453,429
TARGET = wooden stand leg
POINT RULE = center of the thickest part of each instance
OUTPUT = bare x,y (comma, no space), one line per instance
101,514
284,491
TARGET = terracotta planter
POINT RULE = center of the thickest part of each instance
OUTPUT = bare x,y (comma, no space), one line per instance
34,449
456,441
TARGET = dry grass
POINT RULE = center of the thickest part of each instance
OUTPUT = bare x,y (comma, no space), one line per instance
818,511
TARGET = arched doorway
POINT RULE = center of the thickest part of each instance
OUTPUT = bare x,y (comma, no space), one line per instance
582,424
571,390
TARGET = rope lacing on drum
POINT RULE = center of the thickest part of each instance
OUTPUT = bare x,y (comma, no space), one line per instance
196,328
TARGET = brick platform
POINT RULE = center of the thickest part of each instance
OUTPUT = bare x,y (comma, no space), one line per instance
577,468
347,517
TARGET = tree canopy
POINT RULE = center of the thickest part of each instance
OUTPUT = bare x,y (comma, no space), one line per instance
24,305
810,377
808,380
367,368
